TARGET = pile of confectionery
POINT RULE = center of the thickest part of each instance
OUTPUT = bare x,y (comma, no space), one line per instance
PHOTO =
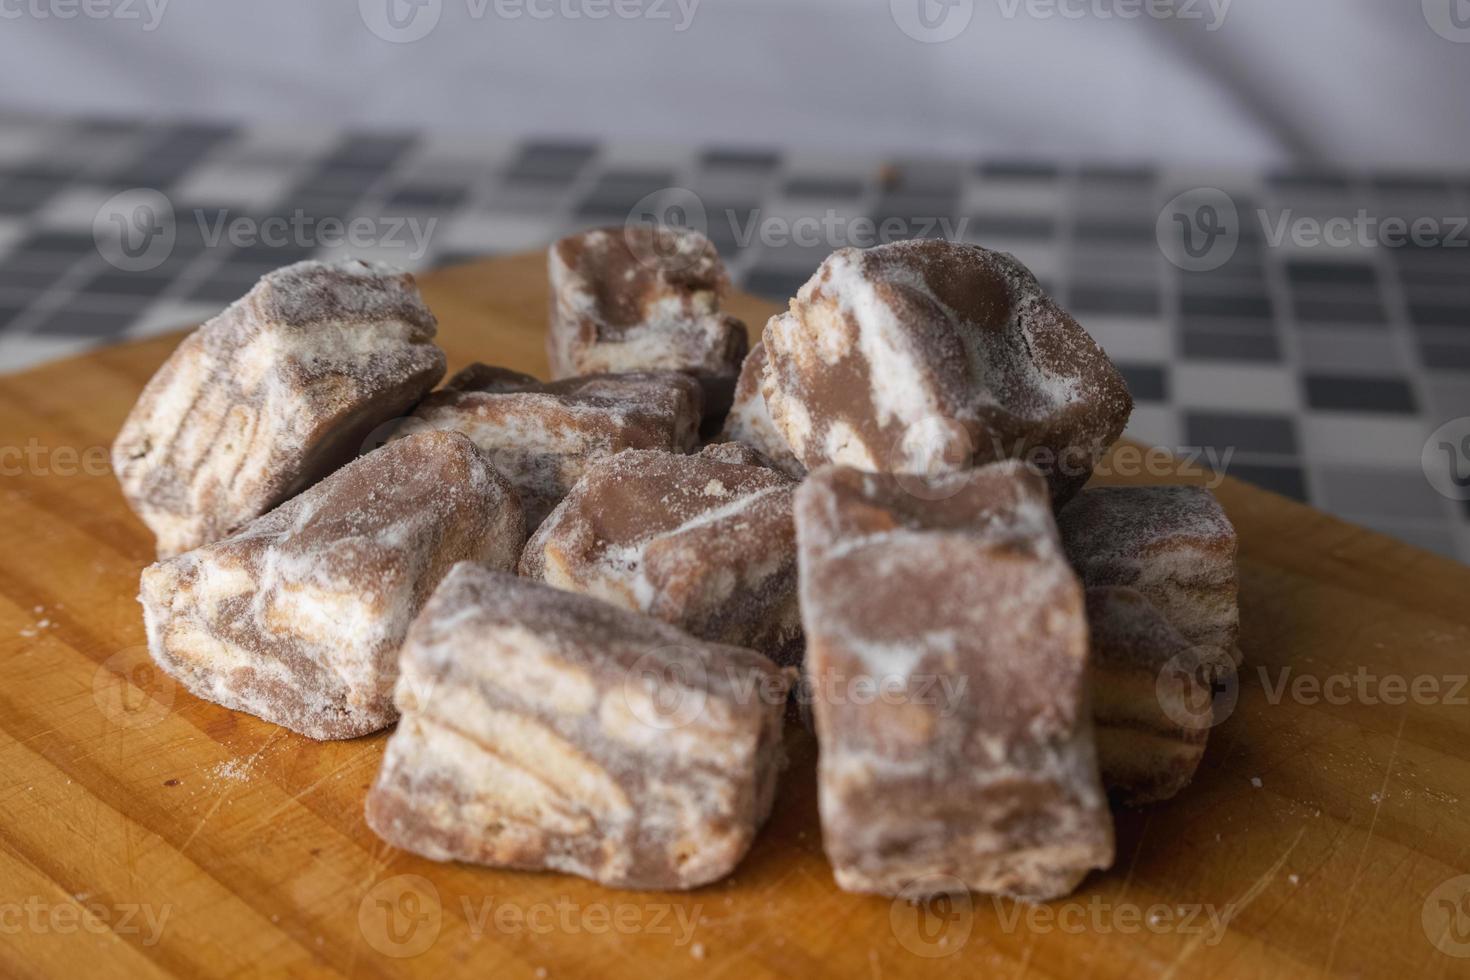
594,605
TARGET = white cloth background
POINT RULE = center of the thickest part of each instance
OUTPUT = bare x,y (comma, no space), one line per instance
1355,82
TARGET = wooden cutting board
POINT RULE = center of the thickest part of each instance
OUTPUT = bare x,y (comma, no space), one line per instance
144,832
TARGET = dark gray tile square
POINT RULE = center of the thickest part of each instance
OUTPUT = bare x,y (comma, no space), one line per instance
1443,355
1317,309
138,284
1341,393
1147,382
1439,315
377,150
1244,305
1306,272
71,321
924,178
843,188
1314,181
1285,480
558,162
24,195
9,313
1273,435
1117,302
1211,345
1039,170
738,158
427,197
1116,230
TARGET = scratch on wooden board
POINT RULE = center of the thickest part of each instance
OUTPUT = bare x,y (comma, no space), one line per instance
1378,798
219,800
1235,907
300,794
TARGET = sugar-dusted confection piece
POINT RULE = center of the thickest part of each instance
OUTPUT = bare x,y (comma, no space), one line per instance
974,762
1173,544
272,395
542,437
487,377
644,298
737,453
1152,696
299,616
929,357
750,423
697,541
548,731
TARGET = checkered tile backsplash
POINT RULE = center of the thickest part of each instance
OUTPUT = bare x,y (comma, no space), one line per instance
1324,367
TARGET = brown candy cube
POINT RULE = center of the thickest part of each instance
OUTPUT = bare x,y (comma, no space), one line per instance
644,298
929,357
272,395
549,731
298,617
1173,544
1153,696
703,542
947,653
543,437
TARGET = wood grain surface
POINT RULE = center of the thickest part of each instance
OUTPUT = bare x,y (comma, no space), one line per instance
146,833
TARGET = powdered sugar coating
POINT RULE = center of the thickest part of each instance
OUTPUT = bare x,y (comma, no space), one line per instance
644,298
273,394
299,616
697,541
1173,544
543,730
543,437
750,423
963,584
928,356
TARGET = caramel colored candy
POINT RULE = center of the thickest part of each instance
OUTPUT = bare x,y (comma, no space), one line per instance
947,651
548,731
1152,696
543,437
272,395
930,357
299,616
644,298
703,542
1173,544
